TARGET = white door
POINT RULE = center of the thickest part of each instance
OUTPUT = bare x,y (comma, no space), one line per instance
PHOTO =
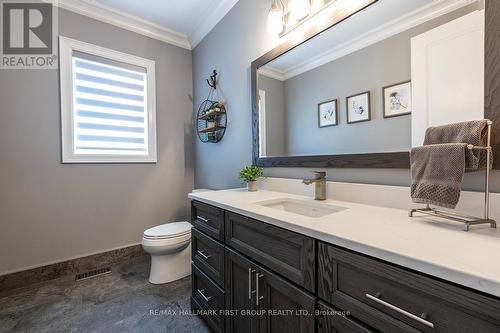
262,123
447,71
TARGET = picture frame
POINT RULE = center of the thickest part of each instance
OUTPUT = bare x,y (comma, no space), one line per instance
397,99
358,108
328,113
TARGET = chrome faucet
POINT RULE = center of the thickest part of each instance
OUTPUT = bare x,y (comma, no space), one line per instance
319,185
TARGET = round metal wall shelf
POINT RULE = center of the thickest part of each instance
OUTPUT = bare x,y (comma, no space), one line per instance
211,121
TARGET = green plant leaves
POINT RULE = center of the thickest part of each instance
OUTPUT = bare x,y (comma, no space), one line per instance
251,173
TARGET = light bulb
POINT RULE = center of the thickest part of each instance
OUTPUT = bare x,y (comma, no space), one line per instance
275,20
317,5
299,9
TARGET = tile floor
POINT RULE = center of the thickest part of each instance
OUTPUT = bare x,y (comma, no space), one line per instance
123,301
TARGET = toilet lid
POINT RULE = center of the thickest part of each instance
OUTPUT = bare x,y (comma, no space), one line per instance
168,230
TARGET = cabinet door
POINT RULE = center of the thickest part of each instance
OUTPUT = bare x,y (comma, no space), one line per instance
240,293
331,320
287,308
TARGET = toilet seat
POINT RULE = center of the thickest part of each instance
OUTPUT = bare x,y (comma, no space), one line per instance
167,231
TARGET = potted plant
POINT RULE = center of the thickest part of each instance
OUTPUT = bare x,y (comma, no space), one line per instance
250,174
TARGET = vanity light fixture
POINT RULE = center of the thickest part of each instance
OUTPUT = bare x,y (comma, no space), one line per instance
275,18
299,9
285,15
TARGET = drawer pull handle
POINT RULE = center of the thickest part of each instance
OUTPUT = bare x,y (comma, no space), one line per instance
203,255
403,312
257,278
206,298
202,219
250,292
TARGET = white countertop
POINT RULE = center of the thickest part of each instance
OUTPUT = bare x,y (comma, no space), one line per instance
433,246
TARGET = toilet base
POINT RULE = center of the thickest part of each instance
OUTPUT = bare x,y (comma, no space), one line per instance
170,267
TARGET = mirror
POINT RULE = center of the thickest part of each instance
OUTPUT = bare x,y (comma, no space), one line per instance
355,91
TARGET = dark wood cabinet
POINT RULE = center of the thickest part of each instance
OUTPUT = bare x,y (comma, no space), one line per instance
253,291
393,299
240,293
287,308
208,255
288,253
208,298
331,320
259,278
208,219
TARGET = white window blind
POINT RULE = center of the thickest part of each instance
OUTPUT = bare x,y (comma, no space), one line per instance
110,108
110,116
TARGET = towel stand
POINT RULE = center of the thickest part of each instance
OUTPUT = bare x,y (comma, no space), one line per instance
468,220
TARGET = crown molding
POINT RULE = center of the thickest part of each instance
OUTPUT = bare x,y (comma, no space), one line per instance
272,73
206,24
119,18
391,28
124,20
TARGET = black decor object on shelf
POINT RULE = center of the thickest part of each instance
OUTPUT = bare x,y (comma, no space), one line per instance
211,118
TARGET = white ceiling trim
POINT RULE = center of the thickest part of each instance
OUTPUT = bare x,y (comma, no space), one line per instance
126,21
144,27
273,73
391,28
206,24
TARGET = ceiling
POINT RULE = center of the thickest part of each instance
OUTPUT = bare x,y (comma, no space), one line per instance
377,22
179,15
186,22
180,22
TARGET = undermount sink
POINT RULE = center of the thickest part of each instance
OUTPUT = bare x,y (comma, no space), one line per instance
301,207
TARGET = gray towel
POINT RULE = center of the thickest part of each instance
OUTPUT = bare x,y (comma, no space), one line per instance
438,167
470,132
437,172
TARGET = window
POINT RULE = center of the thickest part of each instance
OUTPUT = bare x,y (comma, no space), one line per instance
107,105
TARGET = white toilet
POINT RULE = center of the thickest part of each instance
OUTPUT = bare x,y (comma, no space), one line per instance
170,248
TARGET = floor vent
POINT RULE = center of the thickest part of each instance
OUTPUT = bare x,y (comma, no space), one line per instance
92,274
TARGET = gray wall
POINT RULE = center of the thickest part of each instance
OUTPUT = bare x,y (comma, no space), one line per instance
238,39
52,211
243,34
276,135
368,69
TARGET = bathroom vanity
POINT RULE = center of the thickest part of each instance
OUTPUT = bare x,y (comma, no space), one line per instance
302,266
352,93
334,98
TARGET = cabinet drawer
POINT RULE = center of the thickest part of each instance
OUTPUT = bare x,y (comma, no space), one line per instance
209,298
208,255
290,254
393,299
208,219
331,321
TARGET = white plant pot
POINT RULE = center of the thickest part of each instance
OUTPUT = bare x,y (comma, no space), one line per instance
252,186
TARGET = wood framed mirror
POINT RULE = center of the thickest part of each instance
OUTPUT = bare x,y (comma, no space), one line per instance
310,145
